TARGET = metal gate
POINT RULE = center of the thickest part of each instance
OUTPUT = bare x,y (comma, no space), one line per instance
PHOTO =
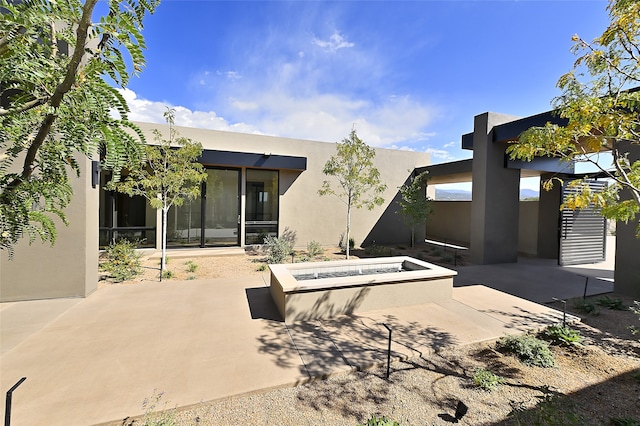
583,232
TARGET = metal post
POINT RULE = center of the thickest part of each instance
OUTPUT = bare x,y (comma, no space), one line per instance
388,350
7,407
564,311
586,282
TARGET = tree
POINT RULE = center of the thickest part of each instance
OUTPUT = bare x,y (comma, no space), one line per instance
59,75
415,206
353,167
602,112
170,175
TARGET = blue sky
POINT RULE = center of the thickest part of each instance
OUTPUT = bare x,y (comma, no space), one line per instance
409,75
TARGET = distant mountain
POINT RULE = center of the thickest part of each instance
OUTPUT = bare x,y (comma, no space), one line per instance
463,195
453,195
528,193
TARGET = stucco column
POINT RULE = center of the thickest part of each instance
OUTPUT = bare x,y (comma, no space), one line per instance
627,270
548,219
495,195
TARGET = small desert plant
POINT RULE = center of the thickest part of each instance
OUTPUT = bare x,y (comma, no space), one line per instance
376,250
121,261
314,248
167,274
552,410
562,334
636,310
625,422
279,249
375,420
154,415
586,307
530,350
612,303
486,380
262,267
341,245
191,277
191,266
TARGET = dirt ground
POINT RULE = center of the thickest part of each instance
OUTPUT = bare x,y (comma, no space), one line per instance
593,383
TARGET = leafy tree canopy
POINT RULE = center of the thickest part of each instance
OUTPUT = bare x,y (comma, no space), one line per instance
59,74
601,102
358,179
415,206
170,175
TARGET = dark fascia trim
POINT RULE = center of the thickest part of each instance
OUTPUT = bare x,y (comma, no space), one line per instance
544,164
511,131
445,169
213,157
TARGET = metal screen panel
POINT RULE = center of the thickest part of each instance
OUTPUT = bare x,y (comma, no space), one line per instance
583,233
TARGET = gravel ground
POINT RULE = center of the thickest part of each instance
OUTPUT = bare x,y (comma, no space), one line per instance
590,384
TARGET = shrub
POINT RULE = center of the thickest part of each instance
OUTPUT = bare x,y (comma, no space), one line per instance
586,307
486,380
279,249
562,334
352,243
610,303
121,262
376,250
625,422
262,267
167,274
154,415
314,248
379,421
191,266
530,350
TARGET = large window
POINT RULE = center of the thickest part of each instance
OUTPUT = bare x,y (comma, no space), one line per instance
261,212
124,217
217,212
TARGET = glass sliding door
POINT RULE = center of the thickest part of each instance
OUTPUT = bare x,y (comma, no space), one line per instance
221,208
184,225
216,210
261,212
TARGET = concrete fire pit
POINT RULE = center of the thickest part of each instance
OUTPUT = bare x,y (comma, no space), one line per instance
317,290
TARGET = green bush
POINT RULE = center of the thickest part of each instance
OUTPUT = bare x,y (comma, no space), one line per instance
154,415
530,350
314,248
121,261
379,421
586,307
191,266
562,334
376,250
262,267
341,245
279,249
167,274
486,380
610,303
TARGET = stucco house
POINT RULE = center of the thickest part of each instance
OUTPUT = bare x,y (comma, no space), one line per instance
257,185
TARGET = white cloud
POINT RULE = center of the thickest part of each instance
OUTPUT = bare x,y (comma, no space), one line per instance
336,42
440,154
398,125
450,144
152,112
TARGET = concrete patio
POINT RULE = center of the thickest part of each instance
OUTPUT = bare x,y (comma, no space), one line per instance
94,360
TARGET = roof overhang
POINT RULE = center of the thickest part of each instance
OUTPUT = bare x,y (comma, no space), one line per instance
266,160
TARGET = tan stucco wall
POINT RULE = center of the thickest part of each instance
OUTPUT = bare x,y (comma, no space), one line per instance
302,210
70,267
451,221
